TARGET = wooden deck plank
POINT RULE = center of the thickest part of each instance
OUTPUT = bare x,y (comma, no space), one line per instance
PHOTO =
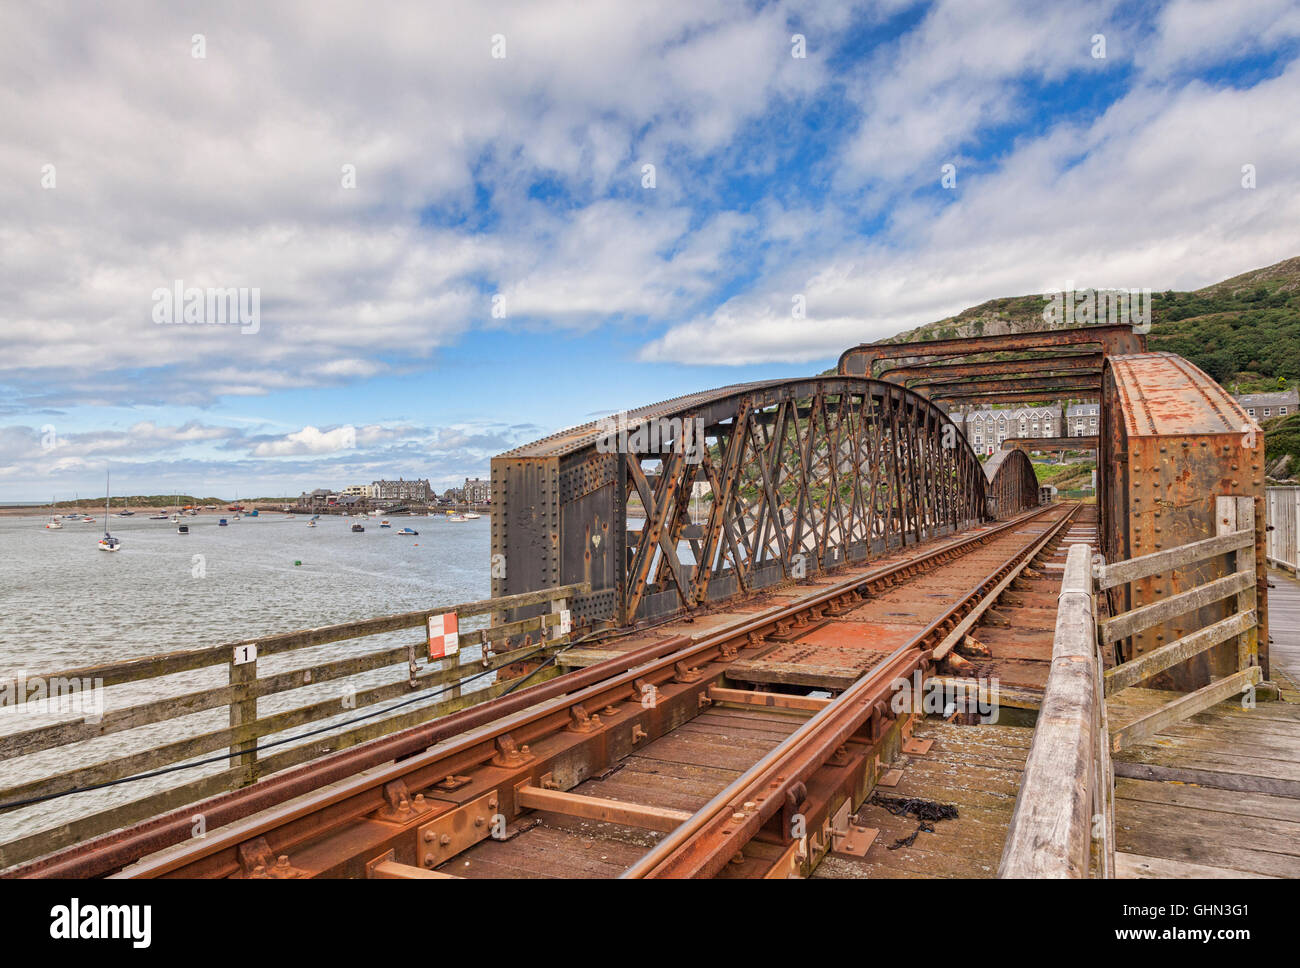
1231,802
1138,866
1284,623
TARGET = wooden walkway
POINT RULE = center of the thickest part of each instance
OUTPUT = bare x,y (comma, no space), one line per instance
1219,794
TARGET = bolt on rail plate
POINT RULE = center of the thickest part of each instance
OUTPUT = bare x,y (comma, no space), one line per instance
446,836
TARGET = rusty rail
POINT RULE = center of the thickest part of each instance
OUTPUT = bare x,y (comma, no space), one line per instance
463,742
703,845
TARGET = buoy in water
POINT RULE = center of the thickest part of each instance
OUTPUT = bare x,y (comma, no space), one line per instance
297,563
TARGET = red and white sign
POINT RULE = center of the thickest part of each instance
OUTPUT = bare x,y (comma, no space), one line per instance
444,635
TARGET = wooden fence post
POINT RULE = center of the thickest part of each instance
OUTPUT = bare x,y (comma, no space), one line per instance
243,707
1238,514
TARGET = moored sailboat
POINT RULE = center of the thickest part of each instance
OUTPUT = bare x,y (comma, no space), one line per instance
108,542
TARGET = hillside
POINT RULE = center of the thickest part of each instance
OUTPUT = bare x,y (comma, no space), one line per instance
1282,448
1244,331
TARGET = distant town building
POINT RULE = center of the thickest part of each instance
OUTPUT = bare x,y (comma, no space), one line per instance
987,429
453,495
1082,419
1261,406
402,490
359,490
477,491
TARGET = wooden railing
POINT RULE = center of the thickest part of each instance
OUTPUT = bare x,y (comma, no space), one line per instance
415,695
1236,539
1063,825
1282,506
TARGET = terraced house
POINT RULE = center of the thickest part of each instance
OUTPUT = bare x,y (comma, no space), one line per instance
1262,406
987,429
1082,419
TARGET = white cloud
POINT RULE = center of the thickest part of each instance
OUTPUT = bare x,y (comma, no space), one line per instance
309,440
1148,195
228,173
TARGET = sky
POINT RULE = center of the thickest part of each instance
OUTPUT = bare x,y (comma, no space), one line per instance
470,225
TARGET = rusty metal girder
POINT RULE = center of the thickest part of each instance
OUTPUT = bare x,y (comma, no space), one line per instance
860,360
1087,442
1025,396
1064,385
795,477
1173,440
1021,365
1012,483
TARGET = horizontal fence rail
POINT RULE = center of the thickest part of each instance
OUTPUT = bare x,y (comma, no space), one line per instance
1234,593
434,677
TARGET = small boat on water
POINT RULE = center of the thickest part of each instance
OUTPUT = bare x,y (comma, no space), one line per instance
158,517
54,524
408,531
253,513
108,542
221,523
455,517
471,516
384,523
88,519
182,529
357,529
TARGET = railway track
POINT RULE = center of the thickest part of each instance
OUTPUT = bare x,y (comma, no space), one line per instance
739,753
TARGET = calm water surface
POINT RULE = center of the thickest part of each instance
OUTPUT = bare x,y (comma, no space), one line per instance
64,604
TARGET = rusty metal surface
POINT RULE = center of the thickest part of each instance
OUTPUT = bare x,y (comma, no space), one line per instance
1086,442
1080,393
1013,483
860,360
1050,385
1172,441
803,476
1023,365
1162,394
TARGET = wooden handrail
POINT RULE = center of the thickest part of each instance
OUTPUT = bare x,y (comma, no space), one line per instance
1066,786
243,690
187,660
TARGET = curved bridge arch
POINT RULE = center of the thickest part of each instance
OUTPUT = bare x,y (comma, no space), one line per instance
1012,483
694,500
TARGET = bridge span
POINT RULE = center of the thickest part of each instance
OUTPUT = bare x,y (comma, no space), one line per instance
783,629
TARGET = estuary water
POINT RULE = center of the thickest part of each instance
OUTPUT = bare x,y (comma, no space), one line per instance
65,604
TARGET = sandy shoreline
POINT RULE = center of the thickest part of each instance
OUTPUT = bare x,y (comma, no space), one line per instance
94,512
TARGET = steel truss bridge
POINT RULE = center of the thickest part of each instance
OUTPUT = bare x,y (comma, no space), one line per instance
799,476
702,610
